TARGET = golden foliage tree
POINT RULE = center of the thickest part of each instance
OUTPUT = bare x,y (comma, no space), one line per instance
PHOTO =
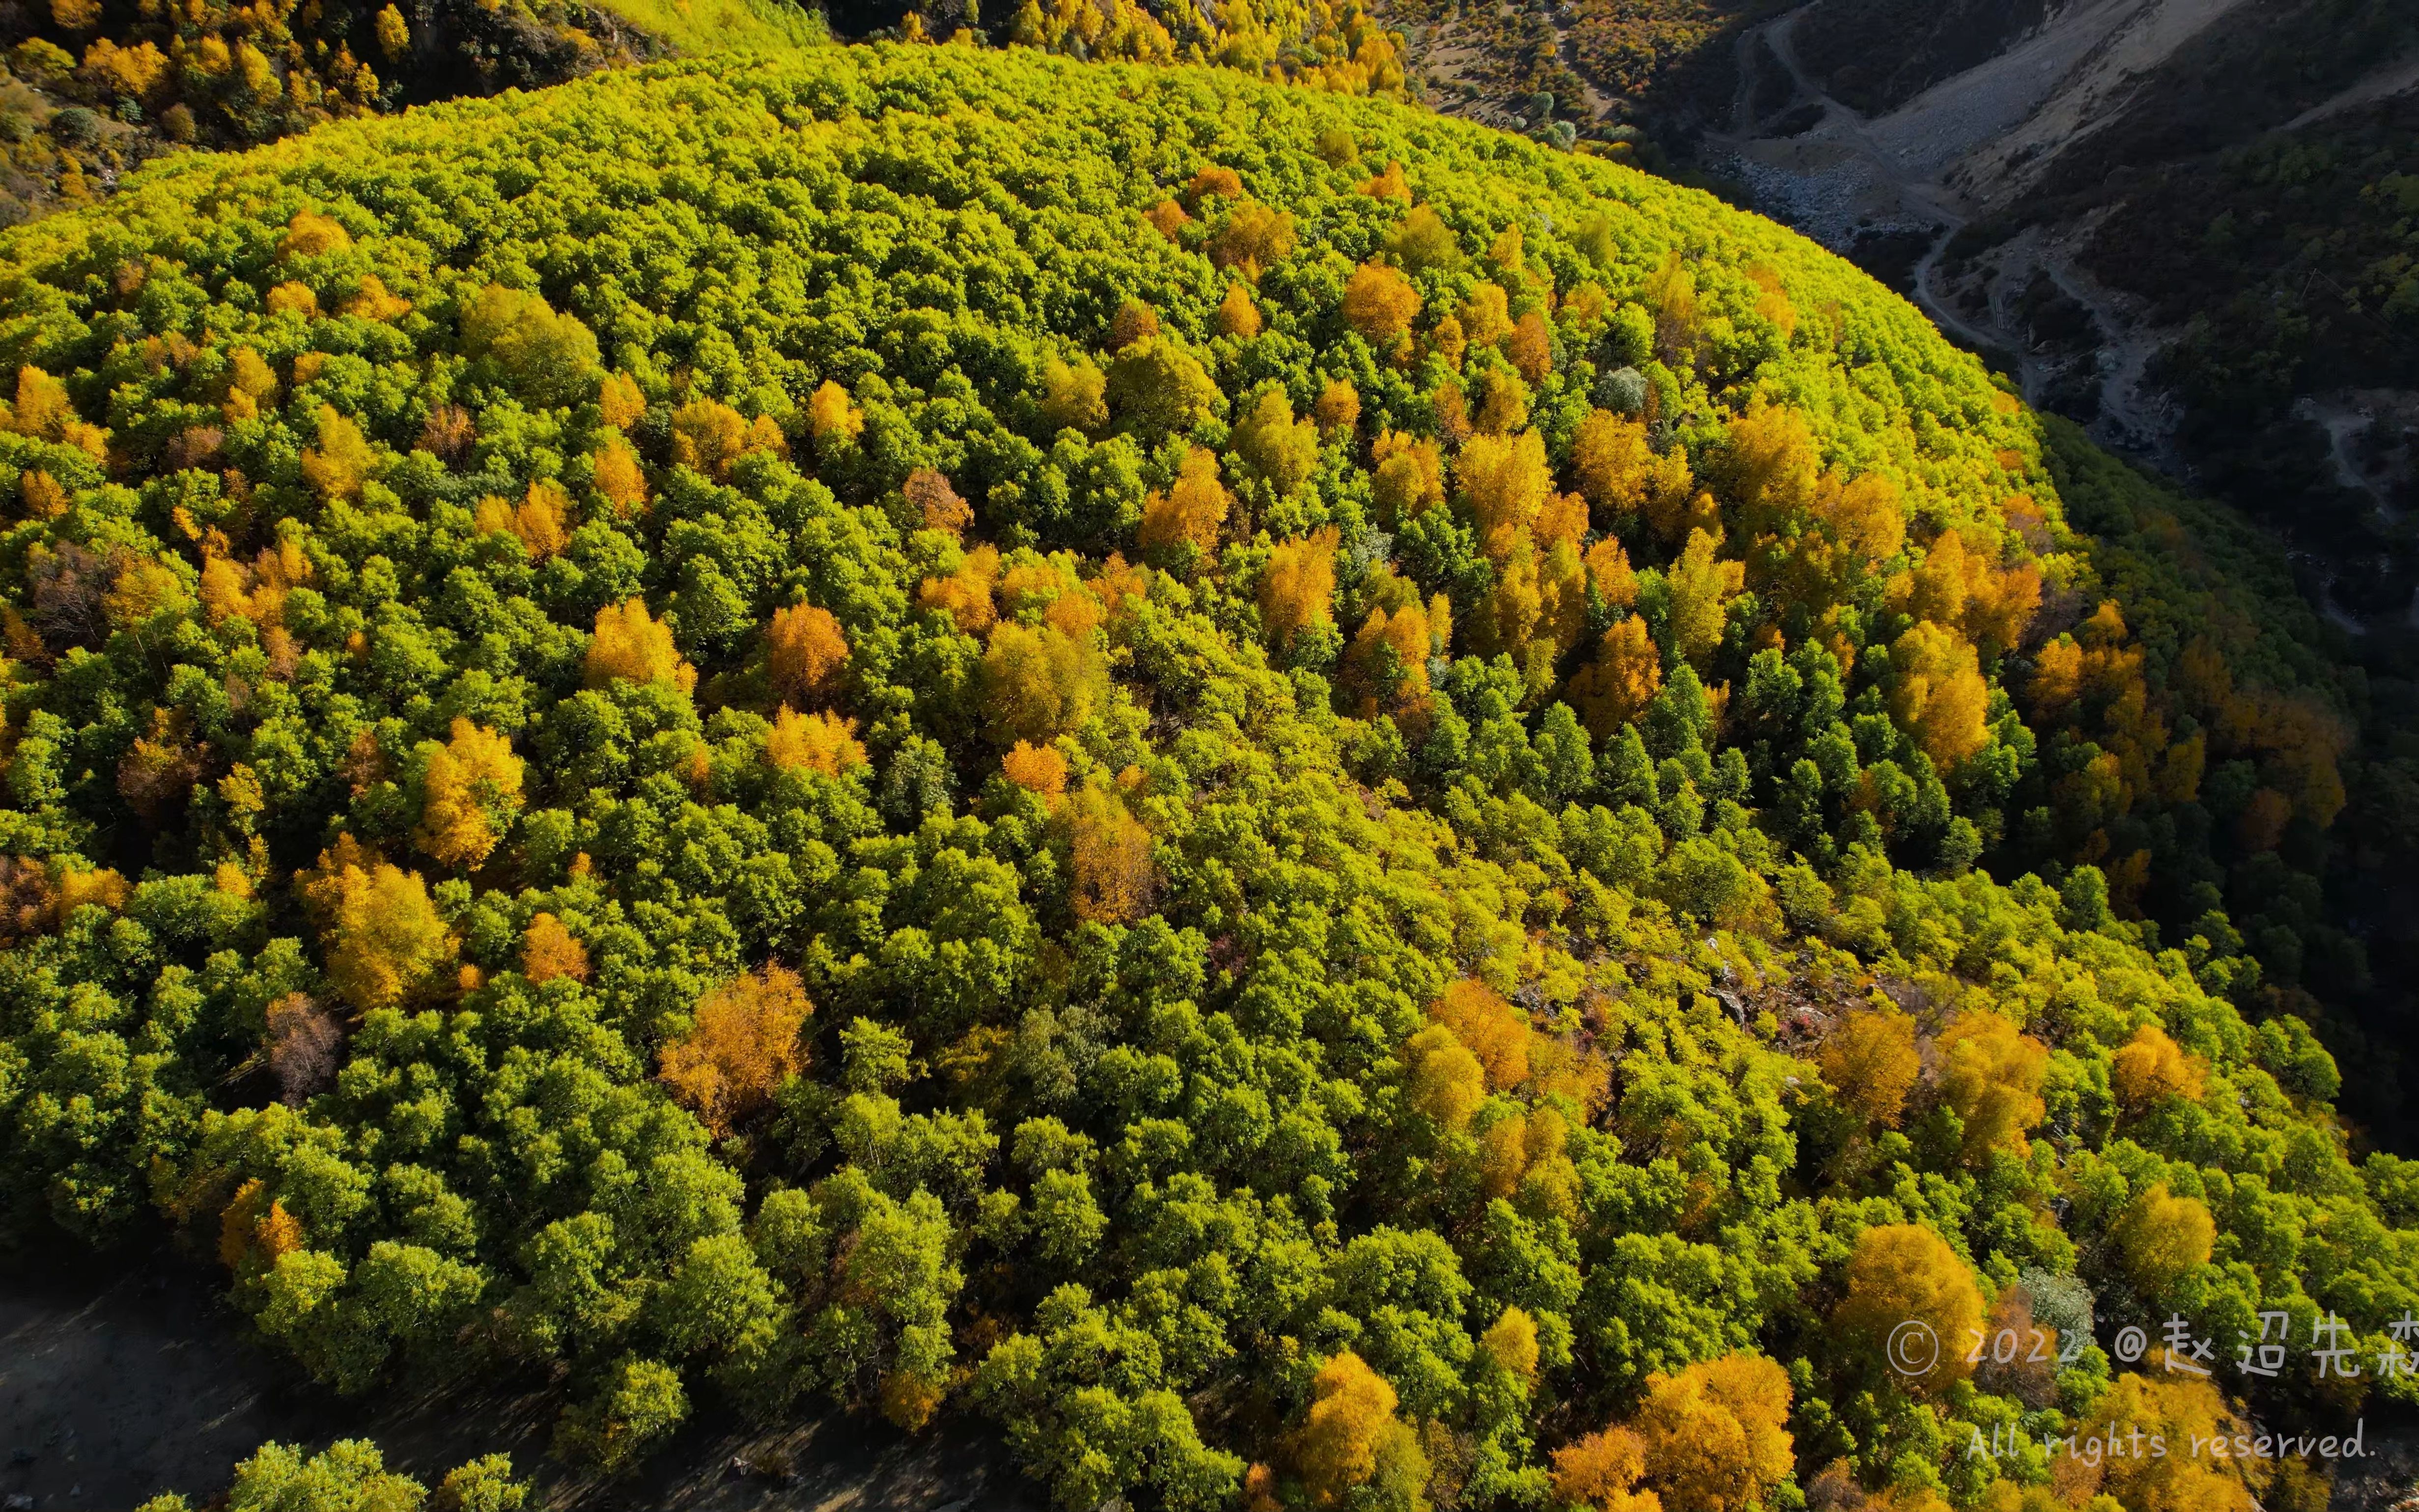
471,790
1938,693
1903,1273
741,1045
1351,1436
1444,1080
313,236
2151,1068
708,435
1039,683
1407,473
1298,586
550,949
1254,237
833,417
631,645
1381,304
1627,674
2182,1412
1702,586
2161,1238
341,462
1770,464
1193,510
1600,1471
1991,1076
1715,1433
1338,410
1072,395
1109,853
1506,480
1494,1030
820,742
1037,769
965,596
1134,322
1609,573
381,935
1511,1342
619,400
804,654
1870,1061
1237,317
1617,470
619,477
1529,347
540,522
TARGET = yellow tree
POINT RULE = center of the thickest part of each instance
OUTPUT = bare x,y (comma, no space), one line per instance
804,654
1037,769
2182,1412
1381,304
1506,480
2151,1068
1702,587
550,949
833,417
965,596
1902,1274
1109,853
708,435
1511,1342
619,399
1275,444
1938,693
1601,1471
341,462
469,791
741,1045
1715,1434
1627,673
1870,1061
619,477
1494,1030
1337,408
1298,586
820,742
2161,1238
382,936
1351,1436
1770,465
540,522
1408,473
1237,315
1442,1081
631,645
1991,1076
1194,509
1072,395
1039,683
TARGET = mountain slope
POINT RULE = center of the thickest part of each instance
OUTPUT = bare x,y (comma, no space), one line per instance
1282,790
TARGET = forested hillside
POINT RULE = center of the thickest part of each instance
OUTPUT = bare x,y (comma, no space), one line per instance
1324,809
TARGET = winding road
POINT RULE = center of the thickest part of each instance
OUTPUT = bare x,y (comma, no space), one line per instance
1842,154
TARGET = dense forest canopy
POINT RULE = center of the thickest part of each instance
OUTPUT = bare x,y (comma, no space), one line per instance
1325,809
